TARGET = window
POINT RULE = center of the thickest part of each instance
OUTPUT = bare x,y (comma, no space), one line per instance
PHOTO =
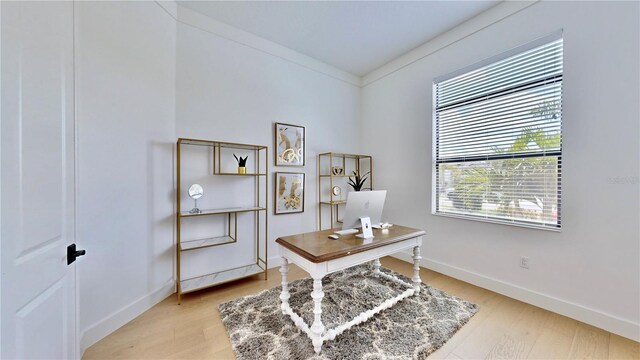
498,138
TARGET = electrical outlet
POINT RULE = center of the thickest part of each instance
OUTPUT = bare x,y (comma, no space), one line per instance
524,262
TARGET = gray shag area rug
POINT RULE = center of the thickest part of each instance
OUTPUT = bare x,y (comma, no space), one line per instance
411,329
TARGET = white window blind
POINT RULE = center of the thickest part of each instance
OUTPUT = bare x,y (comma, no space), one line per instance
498,138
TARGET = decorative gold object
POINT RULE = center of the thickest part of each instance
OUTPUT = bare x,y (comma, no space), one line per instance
290,143
242,163
337,171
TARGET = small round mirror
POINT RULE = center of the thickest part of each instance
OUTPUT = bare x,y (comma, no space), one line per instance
195,191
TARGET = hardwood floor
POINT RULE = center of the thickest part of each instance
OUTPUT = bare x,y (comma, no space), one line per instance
503,328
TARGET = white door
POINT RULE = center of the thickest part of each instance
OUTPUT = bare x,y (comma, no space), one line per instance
37,181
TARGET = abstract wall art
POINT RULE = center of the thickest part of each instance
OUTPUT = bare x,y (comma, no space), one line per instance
289,196
289,145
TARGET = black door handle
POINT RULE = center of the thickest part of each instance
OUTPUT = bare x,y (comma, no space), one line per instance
72,253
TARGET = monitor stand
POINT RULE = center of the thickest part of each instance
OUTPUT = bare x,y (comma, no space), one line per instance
367,232
361,236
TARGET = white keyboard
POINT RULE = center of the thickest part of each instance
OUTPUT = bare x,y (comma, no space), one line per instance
346,232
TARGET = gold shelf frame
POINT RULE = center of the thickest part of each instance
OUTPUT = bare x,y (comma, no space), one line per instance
342,158
260,263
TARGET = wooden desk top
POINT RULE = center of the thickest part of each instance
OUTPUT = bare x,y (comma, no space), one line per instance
318,247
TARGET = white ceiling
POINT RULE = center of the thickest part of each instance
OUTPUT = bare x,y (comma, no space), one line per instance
354,36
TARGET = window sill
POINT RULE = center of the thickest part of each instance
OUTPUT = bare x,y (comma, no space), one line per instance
553,228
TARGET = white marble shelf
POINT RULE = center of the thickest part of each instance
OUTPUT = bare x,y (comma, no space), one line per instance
204,281
222,211
203,243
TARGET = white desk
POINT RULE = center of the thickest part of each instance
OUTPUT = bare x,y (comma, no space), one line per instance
318,255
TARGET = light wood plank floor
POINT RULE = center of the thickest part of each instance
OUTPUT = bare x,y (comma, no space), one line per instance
503,328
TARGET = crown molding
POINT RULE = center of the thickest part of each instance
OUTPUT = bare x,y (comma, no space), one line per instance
170,6
467,28
199,21
202,22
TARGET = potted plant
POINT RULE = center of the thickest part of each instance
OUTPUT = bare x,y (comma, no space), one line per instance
357,181
242,162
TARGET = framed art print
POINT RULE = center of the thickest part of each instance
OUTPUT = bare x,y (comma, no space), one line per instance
290,145
289,196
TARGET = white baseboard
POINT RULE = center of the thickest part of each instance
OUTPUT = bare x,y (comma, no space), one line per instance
111,323
579,312
274,262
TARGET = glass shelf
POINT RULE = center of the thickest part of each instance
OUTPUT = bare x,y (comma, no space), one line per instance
208,242
222,211
198,142
234,174
204,281
346,156
335,202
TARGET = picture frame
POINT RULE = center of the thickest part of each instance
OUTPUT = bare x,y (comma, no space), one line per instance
290,145
289,193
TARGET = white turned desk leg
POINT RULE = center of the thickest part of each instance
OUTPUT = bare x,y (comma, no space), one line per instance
317,328
416,269
376,266
284,295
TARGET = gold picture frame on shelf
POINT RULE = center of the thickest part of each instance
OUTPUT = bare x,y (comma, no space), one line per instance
290,145
289,193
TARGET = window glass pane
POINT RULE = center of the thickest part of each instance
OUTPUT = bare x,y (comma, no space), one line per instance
521,190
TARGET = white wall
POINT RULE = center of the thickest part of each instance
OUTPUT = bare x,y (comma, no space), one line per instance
231,91
143,80
125,84
591,269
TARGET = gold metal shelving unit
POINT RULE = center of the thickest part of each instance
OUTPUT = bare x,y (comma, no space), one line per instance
358,163
259,209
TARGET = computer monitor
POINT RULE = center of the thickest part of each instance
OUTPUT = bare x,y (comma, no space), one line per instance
363,204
